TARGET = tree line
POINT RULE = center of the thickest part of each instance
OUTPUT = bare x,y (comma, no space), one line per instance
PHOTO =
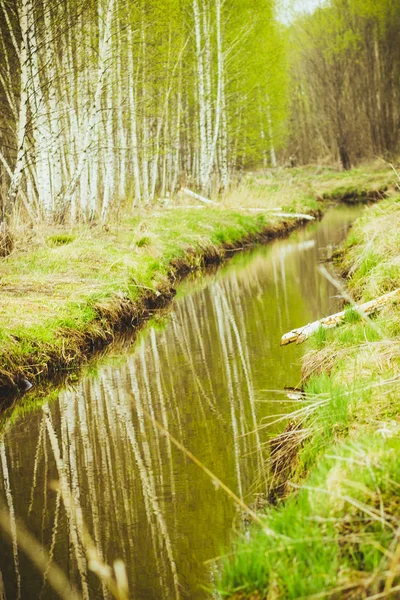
345,82
108,100
112,103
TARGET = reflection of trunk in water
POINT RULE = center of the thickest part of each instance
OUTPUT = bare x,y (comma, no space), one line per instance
72,515
225,354
120,408
193,319
89,469
144,465
163,407
278,306
53,542
123,413
98,419
150,409
174,401
45,484
148,461
284,285
150,493
171,387
182,341
11,512
2,590
246,369
122,473
40,441
186,326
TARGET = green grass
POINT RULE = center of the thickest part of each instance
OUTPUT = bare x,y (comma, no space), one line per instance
332,534
54,296
66,284
337,528
60,239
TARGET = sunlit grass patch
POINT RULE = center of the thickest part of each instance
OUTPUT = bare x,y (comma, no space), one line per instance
335,534
143,241
372,252
78,285
61,239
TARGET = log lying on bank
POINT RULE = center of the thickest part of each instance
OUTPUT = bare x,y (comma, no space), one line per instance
302,333
259,209
295,216
198,197
277,212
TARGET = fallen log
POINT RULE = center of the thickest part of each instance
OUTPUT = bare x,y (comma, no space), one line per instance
258,209
277,212
295,216
302,333
198,197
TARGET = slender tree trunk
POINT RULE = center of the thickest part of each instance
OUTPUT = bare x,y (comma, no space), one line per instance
271,135
39,118
133,119
201,99
22,115
105,43
220,92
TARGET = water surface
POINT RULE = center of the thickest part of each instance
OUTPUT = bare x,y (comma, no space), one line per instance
210,373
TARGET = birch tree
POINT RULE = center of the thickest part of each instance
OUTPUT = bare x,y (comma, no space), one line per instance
106,101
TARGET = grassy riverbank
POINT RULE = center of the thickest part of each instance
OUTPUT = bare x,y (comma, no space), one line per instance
65,292
336,530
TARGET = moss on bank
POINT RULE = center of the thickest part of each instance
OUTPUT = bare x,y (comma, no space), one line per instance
338,527
64,293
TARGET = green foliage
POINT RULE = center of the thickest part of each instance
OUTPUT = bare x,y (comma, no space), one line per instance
143,241
351,315
60,239
320,337
260,88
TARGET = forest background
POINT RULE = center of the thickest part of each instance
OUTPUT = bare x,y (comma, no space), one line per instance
107,105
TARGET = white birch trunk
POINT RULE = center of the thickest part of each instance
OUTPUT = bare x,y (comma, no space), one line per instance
53,105
133,119
23,108
105,43
39,117
11,512
201,98
271,136
223,146
154,167
218,107
110,151
145,131
177,136
121,131
207,77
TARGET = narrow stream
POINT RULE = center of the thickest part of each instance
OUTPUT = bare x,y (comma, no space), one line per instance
209,373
